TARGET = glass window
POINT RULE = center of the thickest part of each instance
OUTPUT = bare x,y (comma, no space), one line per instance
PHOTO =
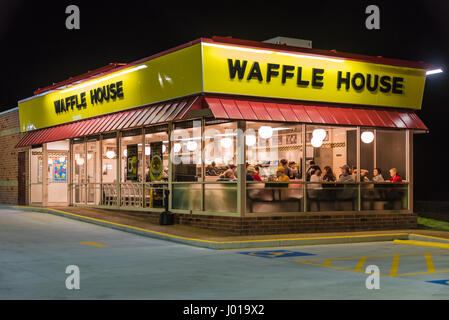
274,153
271,145
220,151
36,175
109,170
156,149
93,171
186,151
131,155
331,173
79,177
391,152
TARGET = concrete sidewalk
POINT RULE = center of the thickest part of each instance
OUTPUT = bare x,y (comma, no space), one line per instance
135,222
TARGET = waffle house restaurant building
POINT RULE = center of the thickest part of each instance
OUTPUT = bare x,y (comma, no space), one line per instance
119,136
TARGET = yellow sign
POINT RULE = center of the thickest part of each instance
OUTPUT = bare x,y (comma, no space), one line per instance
166,77
266,73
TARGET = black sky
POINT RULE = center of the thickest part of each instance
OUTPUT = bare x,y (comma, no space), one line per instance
36,49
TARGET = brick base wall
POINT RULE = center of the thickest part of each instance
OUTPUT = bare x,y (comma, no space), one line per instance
302,223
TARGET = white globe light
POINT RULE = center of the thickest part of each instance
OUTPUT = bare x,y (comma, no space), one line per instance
147,151
250,140
177,147
265,132
80,161
226,143
316,142
164,148
191,145
320,134
110,154
367,136
125,152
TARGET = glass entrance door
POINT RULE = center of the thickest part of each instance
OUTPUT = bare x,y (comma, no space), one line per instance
57,186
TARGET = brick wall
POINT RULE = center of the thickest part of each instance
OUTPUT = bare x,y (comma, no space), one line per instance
298,223
9,137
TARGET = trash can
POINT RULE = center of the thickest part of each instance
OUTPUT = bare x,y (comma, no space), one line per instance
166,218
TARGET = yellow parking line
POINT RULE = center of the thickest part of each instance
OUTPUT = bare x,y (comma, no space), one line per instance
359,266
327,262
423,243
429,261
395,265
94,244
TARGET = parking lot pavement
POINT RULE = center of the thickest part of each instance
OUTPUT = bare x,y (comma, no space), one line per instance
36,248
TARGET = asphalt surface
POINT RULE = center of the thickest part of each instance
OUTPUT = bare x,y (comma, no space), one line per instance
36,248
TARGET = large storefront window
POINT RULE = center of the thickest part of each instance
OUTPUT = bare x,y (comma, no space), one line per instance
93,171
109,170
383,157
274,153
331,171
186,161
156,166
220,161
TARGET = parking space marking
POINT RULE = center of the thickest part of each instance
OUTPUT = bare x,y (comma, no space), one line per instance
395,265
276,253
94,244
396,259
430,266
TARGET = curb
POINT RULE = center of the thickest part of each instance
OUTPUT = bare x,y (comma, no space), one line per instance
219,245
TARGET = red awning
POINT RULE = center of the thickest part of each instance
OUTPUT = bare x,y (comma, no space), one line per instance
271,110
157,113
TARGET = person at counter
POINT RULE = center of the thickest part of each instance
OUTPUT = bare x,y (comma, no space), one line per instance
395,177
280,174
328,175
377,175
288,171
345,175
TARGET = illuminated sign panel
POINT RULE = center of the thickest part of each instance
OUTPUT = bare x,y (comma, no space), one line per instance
266,73
170,76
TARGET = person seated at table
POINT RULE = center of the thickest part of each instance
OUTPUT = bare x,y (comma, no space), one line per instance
233,167
311,169
250,171
256,175
395,177
228,175
377,175
364,175
280,174
345,175
314,187
328,175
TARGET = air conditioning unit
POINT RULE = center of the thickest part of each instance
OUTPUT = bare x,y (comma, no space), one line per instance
291,42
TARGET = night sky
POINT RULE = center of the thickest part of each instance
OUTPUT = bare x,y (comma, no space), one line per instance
37,50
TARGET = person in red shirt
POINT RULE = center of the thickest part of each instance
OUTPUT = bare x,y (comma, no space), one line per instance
256,176
394,175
